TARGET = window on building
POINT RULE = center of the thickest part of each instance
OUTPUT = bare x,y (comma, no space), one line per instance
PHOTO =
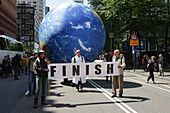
25,43
26,38
18,10
29,10
32,43
28,43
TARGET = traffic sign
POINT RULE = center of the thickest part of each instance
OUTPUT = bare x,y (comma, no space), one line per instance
22,39
134,40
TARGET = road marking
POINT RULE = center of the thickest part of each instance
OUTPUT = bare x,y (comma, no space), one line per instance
108,95
120,106
148,84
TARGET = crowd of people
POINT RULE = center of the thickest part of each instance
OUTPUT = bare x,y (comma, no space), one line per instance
152,65
11,66
37,71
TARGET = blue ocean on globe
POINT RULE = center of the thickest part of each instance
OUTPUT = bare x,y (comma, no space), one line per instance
69,27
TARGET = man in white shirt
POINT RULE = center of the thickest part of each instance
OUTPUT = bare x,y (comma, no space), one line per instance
121,60
79,81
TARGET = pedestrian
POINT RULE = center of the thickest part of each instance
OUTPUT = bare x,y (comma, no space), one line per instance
10,66
16,66
31,75
5,67
78,81
161,61
145,62
41,71
151,66
138,60
119,58
21,70
25,68
109,59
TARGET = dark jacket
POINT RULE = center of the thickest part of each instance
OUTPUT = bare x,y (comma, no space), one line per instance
16,60
151,65
39,67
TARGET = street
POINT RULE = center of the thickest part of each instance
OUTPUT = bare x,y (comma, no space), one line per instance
138,96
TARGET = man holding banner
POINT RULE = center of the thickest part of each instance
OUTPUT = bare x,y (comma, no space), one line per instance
121,61
30,73
79,81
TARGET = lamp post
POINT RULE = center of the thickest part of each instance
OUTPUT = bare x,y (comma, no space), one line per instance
111,35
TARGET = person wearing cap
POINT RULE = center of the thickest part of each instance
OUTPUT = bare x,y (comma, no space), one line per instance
30,73
151,69
41,70
161,61
78,81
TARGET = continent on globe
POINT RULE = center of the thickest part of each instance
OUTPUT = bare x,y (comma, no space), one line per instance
69,27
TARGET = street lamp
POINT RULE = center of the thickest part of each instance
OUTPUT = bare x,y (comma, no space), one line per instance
111,36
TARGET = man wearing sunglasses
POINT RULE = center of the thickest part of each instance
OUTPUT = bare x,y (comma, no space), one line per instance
78,81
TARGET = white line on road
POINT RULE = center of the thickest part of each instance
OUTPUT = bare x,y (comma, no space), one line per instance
115,98
150,84
109,96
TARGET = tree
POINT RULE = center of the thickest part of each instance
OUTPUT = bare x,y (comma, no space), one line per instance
149,19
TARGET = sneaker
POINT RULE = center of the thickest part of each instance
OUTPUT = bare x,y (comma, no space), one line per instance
146,81
153,82
120,95
77,90
114,95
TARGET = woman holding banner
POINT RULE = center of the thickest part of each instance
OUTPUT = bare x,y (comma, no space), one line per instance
41,70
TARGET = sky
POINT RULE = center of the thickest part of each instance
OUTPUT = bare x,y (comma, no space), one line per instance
55,3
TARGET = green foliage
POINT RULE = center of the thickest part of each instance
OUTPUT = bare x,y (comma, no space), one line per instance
147,18
17,47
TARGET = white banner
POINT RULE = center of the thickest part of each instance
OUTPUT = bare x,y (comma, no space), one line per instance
71,70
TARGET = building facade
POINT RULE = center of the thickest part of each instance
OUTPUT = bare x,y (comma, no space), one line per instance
85,2
38,4
8,9
28,23
47,9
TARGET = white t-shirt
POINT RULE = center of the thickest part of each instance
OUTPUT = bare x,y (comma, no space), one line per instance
78,59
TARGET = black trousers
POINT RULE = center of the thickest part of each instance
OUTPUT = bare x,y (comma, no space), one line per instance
79,85
151,75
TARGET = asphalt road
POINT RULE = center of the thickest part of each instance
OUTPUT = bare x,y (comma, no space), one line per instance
138,97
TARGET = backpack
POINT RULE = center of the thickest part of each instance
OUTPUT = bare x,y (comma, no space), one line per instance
75,59
143,61
151,66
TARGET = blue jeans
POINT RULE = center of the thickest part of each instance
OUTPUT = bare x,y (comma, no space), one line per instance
30,79
145,68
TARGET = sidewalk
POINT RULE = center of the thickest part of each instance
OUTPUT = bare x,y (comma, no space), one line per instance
140,71
12,92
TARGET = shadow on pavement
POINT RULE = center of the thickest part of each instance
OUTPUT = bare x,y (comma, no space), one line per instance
107,85
58,94
54,87
162,83
132,99
135,99
104,84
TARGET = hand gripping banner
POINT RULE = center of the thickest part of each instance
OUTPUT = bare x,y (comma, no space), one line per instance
71,70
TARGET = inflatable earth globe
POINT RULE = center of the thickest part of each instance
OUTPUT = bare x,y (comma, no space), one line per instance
69,27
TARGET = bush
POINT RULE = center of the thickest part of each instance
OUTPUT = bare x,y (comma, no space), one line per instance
17,47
